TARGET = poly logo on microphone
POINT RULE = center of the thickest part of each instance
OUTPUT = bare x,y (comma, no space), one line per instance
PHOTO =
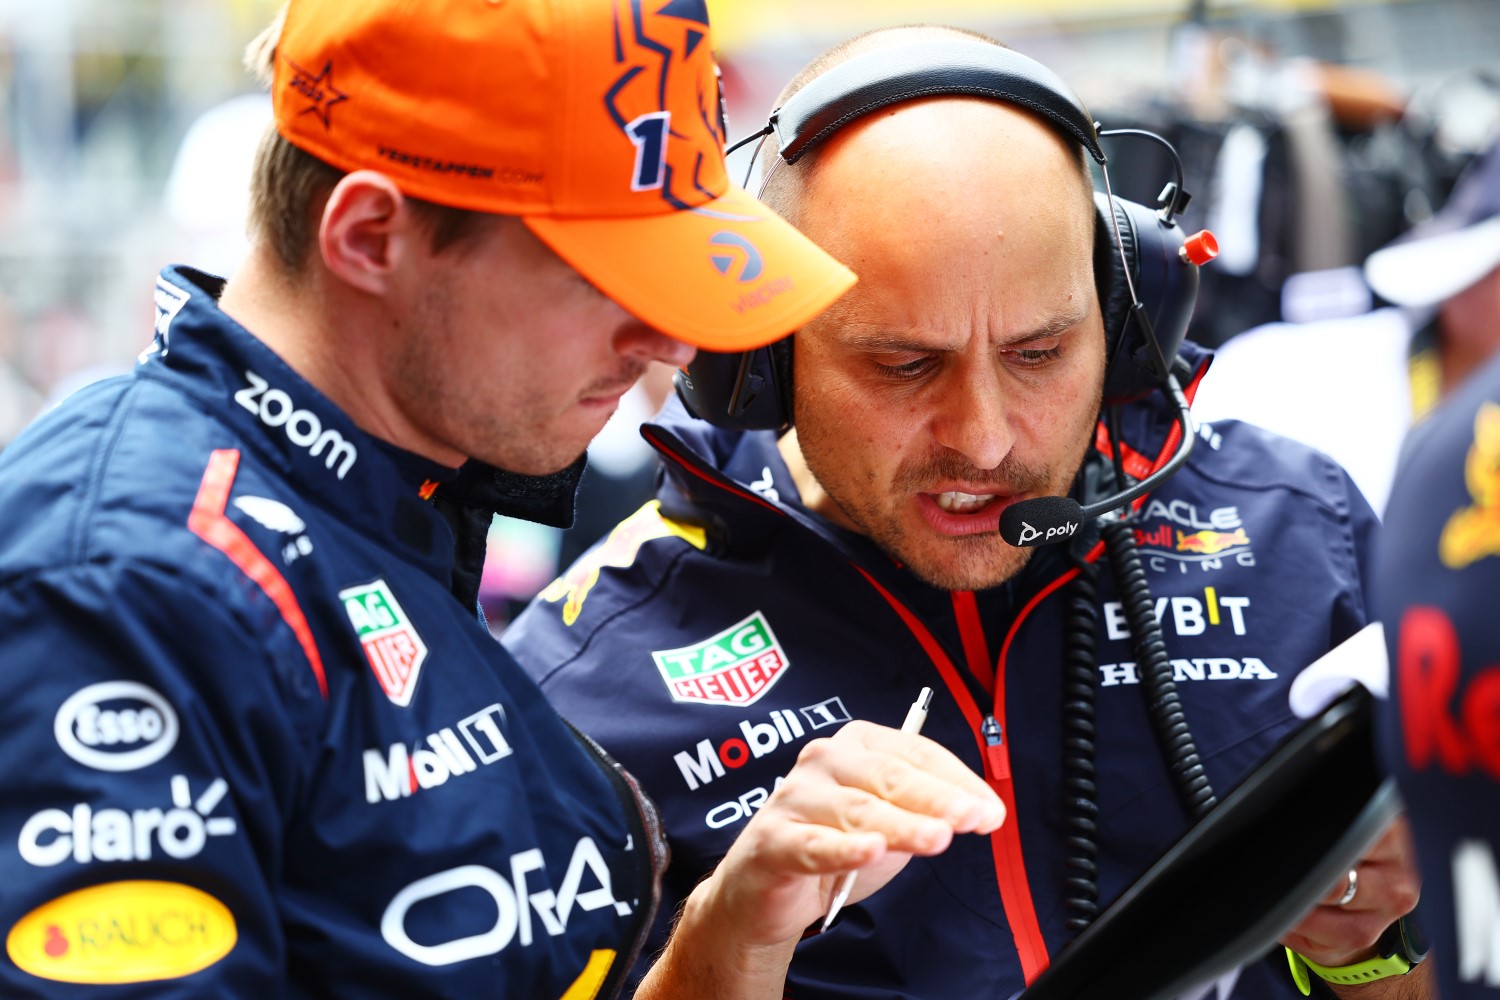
1035,536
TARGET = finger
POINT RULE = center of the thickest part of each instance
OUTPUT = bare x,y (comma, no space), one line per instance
1395,845
919,751
1333,933
810,849
1341,888
895,779
855,810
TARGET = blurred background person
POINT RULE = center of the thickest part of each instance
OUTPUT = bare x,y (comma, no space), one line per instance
1350,387
1437,575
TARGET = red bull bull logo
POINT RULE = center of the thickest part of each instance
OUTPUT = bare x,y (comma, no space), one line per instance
1211,542
618,550
1474,532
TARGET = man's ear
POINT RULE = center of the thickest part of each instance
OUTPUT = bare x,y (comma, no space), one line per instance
366,231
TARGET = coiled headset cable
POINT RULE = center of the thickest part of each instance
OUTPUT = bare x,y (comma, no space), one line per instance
1080,685
1080,788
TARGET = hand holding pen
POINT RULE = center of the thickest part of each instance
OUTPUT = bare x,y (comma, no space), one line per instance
915,717
866,800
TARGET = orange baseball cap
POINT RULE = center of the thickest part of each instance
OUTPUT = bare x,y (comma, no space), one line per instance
598,122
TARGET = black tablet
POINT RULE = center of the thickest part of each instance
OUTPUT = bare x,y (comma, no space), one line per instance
1244,875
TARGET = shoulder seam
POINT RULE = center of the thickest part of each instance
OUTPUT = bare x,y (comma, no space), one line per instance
80,534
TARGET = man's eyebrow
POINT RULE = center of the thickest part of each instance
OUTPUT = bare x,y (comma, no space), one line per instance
1059,324
898,342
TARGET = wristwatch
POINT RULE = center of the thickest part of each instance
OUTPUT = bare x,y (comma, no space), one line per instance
1399,950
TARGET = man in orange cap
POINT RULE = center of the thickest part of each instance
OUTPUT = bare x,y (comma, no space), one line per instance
260,744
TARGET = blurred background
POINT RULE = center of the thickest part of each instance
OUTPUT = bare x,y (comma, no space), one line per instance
1312,133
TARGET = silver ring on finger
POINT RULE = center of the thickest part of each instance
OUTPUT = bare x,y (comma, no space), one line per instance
1351,890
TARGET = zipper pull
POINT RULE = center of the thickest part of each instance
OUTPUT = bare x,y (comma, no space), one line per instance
996,759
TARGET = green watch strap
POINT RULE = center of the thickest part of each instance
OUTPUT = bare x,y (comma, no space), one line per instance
1345,975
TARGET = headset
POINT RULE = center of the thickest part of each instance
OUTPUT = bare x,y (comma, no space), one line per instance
1145,269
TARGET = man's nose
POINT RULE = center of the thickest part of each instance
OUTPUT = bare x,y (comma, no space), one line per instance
974,418
637,340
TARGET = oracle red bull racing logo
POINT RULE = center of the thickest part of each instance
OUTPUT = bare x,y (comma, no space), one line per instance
1187,537
735,667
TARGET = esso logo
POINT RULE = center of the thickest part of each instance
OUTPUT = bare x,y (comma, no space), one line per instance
116,726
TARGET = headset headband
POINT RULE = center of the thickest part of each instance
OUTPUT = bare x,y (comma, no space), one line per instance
881,77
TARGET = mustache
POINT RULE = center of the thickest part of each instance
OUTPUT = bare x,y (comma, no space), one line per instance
1010,476
627,376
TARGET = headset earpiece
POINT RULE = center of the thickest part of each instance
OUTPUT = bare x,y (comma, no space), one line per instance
1165,285
1146,299
747,391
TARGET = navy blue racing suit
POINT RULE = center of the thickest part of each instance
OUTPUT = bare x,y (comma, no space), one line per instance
258,743
723,626
1437,582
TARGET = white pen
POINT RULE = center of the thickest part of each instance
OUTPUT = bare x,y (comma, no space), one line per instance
915,716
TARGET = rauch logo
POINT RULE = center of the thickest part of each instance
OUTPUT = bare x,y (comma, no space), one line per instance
123,932
735,667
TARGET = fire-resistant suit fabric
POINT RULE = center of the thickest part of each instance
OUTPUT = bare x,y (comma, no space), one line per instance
258,745
1437,576
723,626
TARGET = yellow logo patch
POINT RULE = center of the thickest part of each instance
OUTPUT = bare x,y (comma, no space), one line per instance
619,550
123,932
1474,532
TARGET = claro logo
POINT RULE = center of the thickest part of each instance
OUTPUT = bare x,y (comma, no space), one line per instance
302,427
86,834
116,726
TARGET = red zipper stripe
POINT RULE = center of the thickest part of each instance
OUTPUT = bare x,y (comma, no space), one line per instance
1005,843
971,632
208,522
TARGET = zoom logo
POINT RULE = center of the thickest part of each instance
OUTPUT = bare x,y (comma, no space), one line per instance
735,253
302,427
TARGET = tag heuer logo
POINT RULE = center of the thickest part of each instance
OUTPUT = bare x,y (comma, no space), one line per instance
735,667
394,648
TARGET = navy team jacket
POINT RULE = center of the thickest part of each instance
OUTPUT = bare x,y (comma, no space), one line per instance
1438,589
255,746
722,627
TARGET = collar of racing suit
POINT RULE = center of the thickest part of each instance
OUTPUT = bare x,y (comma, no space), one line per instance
295,428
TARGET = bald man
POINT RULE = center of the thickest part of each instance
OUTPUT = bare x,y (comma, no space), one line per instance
786,587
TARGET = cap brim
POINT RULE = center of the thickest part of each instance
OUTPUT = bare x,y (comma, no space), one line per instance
1423,272
730,275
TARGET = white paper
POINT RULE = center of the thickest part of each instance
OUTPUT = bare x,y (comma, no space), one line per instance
1359,659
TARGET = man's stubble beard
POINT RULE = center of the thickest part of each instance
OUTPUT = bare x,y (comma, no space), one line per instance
969,562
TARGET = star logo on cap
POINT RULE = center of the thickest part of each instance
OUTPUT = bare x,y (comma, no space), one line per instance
318,89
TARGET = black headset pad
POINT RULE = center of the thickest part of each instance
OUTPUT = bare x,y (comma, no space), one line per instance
1262,859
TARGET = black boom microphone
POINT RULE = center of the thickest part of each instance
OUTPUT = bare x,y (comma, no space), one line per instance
1056,519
